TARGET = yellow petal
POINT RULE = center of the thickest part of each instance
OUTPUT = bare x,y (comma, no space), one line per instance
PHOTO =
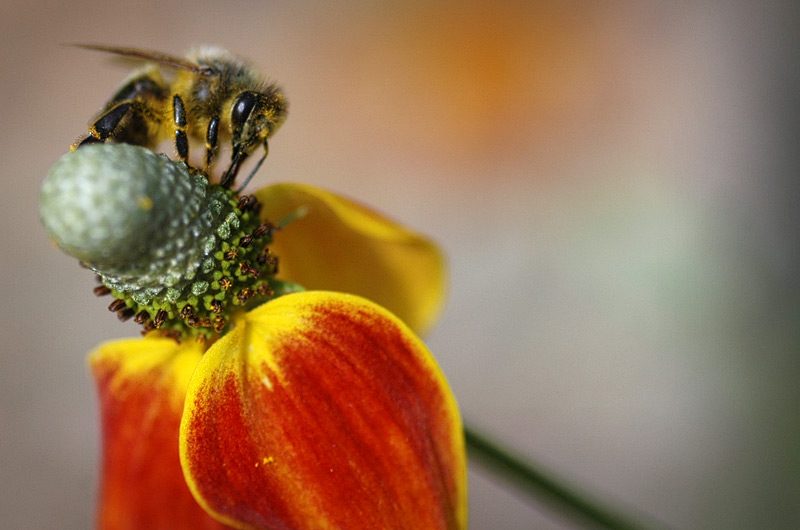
340,245
323,410
142,386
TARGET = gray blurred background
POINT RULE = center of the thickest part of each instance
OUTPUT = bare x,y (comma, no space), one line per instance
615,186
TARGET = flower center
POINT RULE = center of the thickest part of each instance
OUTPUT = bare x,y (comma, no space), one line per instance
178,254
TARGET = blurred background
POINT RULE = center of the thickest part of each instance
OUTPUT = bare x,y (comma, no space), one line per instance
615,186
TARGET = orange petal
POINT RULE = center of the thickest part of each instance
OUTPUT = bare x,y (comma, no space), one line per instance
142,386
340,245
323,410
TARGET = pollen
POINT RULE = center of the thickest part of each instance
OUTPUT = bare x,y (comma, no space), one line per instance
145,203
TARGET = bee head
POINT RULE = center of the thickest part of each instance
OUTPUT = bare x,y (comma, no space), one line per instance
255,116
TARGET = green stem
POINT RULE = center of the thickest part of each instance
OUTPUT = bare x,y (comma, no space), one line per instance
539,485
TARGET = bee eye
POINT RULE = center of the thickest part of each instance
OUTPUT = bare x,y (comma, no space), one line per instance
242,108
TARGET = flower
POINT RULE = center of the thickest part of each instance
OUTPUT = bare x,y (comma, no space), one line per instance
314,409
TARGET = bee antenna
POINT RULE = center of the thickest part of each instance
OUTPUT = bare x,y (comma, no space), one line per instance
252,173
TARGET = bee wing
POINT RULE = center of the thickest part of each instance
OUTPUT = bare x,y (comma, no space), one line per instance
148,55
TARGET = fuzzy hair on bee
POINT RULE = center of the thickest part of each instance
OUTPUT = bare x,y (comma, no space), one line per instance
211,96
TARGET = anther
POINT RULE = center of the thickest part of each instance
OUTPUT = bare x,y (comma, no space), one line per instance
246,268
101,290
245,241
159,319
116,305
269,260
262,229
125,314
265,290
246,202
142,317
245,294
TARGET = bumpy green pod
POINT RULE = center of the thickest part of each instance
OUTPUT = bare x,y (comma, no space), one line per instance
176,251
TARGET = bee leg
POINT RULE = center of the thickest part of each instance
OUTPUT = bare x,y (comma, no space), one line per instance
85,141
105,125
230,174
253,172
108,122
179,118
211,141
131,116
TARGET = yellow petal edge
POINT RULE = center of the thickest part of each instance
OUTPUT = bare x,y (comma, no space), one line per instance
324,410
141,386
337,244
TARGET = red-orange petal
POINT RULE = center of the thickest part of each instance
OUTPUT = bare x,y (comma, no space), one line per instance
142,386
323,410
336,244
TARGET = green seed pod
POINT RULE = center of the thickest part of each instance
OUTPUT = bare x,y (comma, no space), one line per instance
131,213
173,249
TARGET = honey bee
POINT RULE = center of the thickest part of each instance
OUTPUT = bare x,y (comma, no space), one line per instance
209,95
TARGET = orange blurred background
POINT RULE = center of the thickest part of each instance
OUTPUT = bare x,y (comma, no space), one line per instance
615,186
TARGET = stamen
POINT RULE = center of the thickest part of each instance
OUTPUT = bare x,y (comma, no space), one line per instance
161,316
116,305
245,294
269,260
246,268
265,290
246,202
262,229
125,314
